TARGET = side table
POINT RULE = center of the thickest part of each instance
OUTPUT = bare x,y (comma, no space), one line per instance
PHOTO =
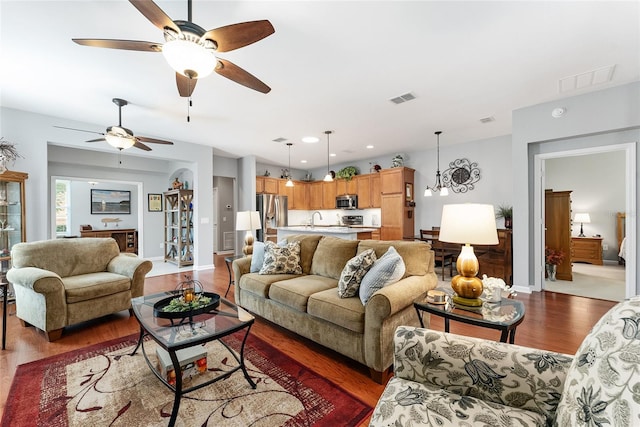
229,261
504,316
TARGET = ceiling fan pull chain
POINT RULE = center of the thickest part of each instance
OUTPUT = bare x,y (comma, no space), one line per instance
189,110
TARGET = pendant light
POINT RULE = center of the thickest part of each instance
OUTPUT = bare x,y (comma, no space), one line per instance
289,181
438,187
328,177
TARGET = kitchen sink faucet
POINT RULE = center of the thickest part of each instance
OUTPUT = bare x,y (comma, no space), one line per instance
312,217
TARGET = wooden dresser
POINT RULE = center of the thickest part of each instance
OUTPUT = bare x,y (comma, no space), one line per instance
127,238
586,249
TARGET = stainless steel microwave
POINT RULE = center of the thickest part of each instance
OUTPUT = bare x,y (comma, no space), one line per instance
347,201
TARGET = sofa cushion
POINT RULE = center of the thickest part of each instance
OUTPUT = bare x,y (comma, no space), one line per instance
308,245
94,285
602,383
332,255
385,271
295,292
345,312
353,273
259,284
281,260
257,257
404,400
417,256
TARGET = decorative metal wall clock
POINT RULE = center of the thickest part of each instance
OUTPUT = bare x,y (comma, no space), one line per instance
461,175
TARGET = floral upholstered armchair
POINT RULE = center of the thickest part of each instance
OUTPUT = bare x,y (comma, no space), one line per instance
450,380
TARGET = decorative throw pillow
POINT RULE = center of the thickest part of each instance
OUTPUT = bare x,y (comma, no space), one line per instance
257,258
353,273
388,269
281,260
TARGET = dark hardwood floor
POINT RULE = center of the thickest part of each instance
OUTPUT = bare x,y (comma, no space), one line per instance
553,321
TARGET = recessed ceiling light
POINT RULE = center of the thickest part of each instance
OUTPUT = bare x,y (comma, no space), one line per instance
310,139
332,154
303,161
369,147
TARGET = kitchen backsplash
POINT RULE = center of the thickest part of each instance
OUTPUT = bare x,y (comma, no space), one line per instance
370,217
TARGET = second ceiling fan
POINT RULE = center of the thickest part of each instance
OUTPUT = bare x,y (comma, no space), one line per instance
190,50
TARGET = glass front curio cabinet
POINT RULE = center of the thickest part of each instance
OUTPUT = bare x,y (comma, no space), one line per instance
12,217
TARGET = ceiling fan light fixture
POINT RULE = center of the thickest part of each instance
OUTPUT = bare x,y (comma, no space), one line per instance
119,141
189,58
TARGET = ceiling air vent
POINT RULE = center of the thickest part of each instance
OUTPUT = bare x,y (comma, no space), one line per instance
488,119
586,79
403,98
281,139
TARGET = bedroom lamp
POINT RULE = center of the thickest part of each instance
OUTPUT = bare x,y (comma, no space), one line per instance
468,224
582,218
248,221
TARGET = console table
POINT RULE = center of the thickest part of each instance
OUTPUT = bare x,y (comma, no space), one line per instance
127,238
586,249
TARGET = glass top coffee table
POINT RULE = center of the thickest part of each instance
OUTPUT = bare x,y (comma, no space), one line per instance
504,316
175,334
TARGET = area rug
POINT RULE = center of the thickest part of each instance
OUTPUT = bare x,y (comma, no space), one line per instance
103,385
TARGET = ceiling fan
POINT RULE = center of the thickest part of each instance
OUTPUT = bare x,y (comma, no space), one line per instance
121,137
190,50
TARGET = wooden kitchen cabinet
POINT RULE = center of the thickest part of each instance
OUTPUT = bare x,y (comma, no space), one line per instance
329,194
397,207
586,249
301,195
557,215
347,187
368,190
266,185
315,195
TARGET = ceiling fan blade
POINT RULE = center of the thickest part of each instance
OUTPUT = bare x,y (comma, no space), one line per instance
79,130
153,13
141,146
153,140
97,140
234,36
231,71
185,85
121,44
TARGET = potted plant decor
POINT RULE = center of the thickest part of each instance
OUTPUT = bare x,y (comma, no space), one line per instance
553,258
347,173
505,212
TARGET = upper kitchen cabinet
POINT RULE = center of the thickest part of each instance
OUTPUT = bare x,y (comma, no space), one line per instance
297,196
266,185
344,186
368,190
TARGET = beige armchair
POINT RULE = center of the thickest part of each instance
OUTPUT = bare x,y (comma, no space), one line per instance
65,281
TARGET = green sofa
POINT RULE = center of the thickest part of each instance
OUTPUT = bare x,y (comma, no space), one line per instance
308,303
65,281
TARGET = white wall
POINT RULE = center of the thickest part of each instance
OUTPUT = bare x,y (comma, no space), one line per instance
597,182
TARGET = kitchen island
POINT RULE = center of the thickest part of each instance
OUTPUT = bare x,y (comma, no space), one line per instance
347,233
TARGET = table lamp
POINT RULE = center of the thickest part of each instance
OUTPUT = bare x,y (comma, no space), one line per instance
468,224
582,218
248,221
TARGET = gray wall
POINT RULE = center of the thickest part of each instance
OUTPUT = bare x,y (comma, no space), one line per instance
226,219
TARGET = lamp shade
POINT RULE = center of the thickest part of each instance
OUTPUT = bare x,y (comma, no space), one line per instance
189,58
582,218
248,221
468,223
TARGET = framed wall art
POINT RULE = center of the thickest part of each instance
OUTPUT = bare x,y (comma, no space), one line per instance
155,202
110,201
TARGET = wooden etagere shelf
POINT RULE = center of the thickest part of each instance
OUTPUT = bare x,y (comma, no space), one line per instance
178,227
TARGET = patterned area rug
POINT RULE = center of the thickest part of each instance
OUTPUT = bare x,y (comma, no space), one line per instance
103,385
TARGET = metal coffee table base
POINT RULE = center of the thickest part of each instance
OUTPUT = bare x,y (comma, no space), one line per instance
177,389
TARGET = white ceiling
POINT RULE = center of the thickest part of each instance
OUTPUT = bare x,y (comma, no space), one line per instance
332,65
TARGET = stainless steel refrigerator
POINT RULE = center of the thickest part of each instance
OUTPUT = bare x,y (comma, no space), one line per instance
273,213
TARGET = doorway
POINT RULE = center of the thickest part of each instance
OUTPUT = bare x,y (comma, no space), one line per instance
628,190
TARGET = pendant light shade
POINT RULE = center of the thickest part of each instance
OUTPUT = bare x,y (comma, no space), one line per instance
437,187
328,177
289,181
